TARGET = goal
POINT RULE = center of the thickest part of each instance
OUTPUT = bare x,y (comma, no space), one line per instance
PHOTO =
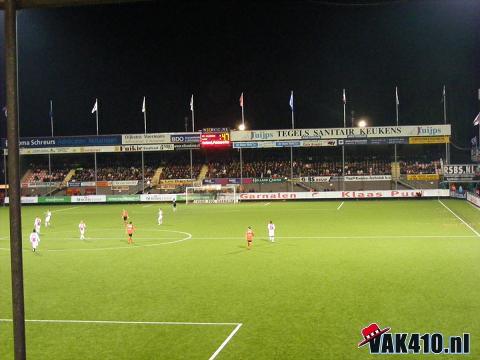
211,194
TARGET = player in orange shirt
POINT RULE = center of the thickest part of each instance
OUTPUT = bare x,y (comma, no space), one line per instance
249,236
130,230
125,216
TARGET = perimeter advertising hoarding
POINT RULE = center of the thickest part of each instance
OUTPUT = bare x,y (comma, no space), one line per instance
54,199
187,146
69,141
474,199
160,138
369,178
122,198
374,141
227,181
24,200
380,194
429,140
276,144
342,133
157,197
313,179
148,147
423,177
68,150
89,199
461,172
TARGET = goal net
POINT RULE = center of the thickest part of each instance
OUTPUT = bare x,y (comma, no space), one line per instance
211,194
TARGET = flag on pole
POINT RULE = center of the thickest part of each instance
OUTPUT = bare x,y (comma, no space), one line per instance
443,94
95,107
473,141
143,105
476,121
396,96
291,100
5,110
241,100
344,98
50,113
191,103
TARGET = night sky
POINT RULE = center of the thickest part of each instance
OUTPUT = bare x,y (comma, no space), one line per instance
216,50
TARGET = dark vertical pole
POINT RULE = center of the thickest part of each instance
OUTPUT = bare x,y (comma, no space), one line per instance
14,181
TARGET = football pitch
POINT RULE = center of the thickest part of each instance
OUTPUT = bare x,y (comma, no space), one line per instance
189,289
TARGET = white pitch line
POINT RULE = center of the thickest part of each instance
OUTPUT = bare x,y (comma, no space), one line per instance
118,322
474,206
214,355
459,218
344,237
121,322
340,206
145,206
69,208
267,204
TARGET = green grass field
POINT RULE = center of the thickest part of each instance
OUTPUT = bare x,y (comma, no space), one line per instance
410,265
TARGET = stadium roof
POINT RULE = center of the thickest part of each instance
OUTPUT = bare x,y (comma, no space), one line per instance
27,4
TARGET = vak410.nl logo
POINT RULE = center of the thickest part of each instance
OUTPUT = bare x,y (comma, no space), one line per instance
382,341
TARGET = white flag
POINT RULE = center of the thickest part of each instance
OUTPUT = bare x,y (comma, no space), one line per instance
344,98
241,100
191,103
476,121
396,96
95,107
143,105
291,100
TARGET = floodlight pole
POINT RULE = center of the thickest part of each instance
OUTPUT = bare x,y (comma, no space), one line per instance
343,146
145,132
193,130
49,155
241,159
447,155
95,154
5,175
18,308
395,146
291,153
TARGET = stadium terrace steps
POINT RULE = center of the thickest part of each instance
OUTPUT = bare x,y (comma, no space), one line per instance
156,176
69,176
26,176
203,172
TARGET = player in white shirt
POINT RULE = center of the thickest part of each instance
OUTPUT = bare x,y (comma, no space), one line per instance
160,217
271,231
34,240
82,226
37,224
47,218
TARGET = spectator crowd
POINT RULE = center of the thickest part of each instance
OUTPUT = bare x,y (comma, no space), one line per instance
270,168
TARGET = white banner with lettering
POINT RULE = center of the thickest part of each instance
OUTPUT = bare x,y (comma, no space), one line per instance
341,133
369,178
374,194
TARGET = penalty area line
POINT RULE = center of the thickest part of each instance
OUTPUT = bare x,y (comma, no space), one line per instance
340,206
120,322
220,348
459,218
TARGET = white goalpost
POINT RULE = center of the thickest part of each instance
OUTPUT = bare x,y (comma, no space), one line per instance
211,194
